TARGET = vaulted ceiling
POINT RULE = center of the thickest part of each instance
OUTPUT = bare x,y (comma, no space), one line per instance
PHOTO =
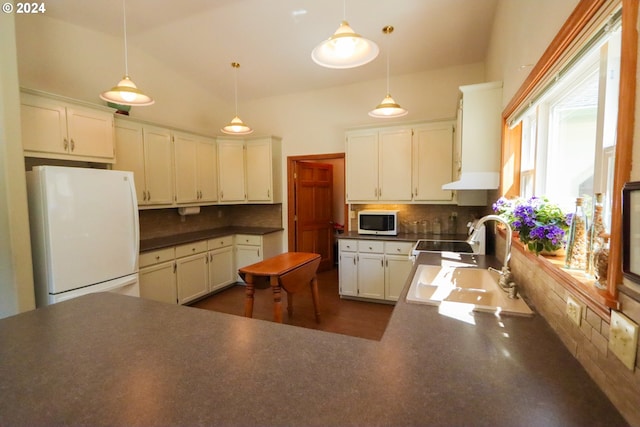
273,39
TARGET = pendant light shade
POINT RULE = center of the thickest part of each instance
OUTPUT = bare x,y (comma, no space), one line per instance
388,108
126,92
345,48
236,126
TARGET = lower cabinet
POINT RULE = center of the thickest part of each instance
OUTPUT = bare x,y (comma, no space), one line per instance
193,271
184,273
373,269
157,276
251,249
221,263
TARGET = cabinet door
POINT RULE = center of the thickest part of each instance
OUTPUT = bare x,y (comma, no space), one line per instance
221,268
130,155
395,165
158,283
258,167
185,152
44,125
433,163
90,133
362,166
247,255
396,272
158,165
207,160
348,272
371,276
231,171
193,281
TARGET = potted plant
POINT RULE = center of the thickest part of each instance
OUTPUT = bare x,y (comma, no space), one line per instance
541,225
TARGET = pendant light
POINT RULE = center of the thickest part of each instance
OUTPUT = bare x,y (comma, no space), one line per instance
345,48
388,107
235,126
126,92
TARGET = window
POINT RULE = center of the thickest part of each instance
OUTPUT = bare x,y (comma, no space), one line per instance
569,134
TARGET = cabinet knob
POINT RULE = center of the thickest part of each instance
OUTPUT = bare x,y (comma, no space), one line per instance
193,249
157,257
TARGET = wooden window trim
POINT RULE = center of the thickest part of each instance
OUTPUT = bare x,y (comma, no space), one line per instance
601,302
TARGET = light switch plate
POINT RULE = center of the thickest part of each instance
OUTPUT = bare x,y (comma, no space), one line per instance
574,311
623,338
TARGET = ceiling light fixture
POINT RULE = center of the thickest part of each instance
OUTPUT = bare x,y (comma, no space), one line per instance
388,107
126,92
345,48
235,126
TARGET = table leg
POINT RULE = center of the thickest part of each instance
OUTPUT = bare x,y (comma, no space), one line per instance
277,299
314,296
248,299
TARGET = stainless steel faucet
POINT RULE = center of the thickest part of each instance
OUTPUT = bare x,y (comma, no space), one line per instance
505,281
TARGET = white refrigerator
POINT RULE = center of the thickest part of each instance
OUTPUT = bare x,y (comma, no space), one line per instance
84,232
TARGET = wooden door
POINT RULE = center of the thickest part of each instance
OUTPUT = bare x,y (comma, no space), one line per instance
314,210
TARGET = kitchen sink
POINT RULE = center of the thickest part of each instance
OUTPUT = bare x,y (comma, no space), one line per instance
476,287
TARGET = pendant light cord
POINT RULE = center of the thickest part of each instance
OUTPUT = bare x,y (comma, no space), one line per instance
126,54
236,65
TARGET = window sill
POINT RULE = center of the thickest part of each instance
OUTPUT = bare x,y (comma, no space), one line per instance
576,282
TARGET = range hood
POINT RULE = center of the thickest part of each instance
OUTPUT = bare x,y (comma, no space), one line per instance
475,181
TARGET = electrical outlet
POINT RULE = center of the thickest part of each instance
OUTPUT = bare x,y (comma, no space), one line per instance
574,311
352,214
623,338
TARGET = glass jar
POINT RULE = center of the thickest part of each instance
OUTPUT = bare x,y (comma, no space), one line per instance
437,226
596,231
425,226
576,257
601,263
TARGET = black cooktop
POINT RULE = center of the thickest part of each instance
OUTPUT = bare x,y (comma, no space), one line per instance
456,246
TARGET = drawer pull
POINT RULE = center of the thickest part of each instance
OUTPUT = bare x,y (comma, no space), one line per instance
157,257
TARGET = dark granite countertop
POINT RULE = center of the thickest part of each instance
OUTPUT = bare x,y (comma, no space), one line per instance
193,236
106,359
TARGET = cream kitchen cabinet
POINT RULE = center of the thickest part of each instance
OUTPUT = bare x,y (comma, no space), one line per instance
253,248
192,269
231,171
157,275
195,168
433,146
52,128
373,269
397,266
378,165
146,151
221,262
249,171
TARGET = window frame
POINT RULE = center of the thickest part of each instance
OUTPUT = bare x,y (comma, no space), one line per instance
583,15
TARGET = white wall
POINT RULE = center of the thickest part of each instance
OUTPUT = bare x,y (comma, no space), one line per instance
522,31
16,277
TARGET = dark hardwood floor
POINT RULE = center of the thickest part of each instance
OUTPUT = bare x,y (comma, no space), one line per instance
341,316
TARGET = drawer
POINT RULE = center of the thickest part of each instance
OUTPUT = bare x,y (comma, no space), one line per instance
156,257
191,248
398,248
347,245
370,246
248,239
220,242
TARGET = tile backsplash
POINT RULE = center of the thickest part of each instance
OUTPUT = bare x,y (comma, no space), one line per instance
428,216
164,222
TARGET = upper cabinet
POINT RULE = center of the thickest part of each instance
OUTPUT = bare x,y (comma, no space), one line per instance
249,171
146,151
400,164
57,129
379,165
196,177
478,144
432,162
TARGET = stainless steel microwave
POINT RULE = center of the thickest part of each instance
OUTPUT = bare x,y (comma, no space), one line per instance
381,222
